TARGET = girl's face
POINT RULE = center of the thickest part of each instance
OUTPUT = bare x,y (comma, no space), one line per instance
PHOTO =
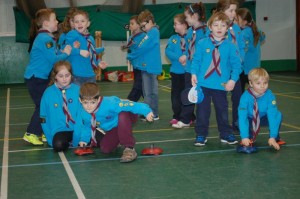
63,78
51,25
242,23
230,12
259,86
190,19
179,28
133,26
90,105
81,23
218,29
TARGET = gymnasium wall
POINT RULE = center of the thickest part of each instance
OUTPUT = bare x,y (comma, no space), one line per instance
278,53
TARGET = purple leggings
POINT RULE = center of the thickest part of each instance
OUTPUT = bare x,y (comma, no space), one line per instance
121,134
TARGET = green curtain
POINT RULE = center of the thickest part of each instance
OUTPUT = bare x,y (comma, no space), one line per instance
111,22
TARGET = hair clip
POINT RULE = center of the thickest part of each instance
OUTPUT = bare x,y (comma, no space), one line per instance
192,9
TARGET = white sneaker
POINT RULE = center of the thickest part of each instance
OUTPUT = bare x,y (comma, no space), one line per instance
180,125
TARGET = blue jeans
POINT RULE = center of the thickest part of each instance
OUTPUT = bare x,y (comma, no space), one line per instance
150,91
80,80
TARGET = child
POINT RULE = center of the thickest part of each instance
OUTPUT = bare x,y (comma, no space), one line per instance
84,55
210,69
148,52
176,51
43,55
195,17
59,106
254,38
66,26
258,108
106,122
136,37
235,36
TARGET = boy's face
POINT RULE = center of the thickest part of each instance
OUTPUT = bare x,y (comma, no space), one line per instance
133,25
89,105
146,25
51,25
230,12
218,29
259,86
81,23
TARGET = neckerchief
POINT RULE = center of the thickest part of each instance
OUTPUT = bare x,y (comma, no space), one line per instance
91,49
255,118
182,43
94,125
193,41
232,33
215,63
131,42
65,105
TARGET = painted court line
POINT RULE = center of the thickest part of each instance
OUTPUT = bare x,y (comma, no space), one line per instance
144,157
4,177
71,175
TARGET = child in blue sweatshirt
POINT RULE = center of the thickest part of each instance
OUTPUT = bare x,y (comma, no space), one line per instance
106,122
211,70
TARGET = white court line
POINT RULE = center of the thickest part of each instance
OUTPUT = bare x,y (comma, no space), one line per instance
71,175
286,77
4,176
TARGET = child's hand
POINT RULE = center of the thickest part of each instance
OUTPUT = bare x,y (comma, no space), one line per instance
84,53
150,117
182,60
103,65
194,80
82,144
272,142
76,44
246,141
229,85
67,49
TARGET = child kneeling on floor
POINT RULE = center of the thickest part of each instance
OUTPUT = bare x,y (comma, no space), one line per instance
258,108
106,122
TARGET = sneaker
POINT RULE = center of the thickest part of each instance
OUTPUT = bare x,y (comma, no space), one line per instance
156,118
280,142
84,151
180,125
246,149
173,121
200,141
32,138
129,155
229,139
44,139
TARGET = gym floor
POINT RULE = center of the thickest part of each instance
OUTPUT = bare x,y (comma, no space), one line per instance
182,171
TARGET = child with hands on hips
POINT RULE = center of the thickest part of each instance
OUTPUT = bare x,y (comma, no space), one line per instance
258,108
59,106
106,122
211,71
83,58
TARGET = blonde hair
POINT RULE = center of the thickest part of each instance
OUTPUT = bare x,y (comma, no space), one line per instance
218,16
257,73
89,91
181,19
58,66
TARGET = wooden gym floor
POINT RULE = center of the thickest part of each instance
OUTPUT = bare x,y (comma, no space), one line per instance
182,171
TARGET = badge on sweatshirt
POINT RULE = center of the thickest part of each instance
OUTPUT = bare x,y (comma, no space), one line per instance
49,44
55,105
207,50
174,41
131,104
274,102
120,104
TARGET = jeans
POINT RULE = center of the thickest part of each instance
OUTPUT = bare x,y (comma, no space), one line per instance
150,91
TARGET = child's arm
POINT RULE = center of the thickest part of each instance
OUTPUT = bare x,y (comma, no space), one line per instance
243,116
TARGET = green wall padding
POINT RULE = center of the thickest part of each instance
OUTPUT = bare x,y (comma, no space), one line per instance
111,22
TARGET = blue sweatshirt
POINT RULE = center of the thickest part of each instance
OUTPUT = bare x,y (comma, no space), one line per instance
173,52
136,40
51,110
106,117
253,53
81,66
229,55
266,107
149,52
43,55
